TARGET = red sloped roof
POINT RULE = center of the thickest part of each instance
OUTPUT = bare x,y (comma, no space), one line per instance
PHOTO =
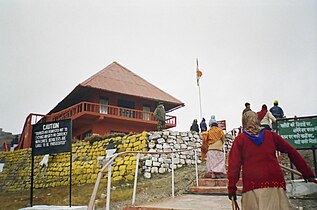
116,78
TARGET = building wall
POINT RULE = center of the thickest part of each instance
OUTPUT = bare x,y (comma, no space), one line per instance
114,97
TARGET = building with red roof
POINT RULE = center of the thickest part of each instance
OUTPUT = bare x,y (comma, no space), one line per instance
113,100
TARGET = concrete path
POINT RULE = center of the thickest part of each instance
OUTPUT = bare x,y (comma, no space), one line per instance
194,202
45,207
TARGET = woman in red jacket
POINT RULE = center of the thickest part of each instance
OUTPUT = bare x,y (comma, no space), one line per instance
254,151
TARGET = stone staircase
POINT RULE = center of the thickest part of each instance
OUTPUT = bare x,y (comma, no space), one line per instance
213,187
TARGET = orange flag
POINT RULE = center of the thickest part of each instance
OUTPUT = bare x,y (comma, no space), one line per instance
198,72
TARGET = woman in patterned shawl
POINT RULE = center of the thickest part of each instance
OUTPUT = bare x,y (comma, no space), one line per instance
212,150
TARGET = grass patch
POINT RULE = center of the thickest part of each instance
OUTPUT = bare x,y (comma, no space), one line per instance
59,196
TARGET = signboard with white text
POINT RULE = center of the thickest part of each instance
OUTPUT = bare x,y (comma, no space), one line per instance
222,124
300,132
52,137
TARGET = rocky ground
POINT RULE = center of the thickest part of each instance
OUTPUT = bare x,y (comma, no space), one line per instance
159,187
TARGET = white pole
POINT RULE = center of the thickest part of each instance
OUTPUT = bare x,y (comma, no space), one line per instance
196,168
108,188
201,116
224,154
173,176
197,69
135,178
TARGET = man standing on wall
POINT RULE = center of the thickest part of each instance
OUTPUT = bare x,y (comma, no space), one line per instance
159,115
247,107
277,113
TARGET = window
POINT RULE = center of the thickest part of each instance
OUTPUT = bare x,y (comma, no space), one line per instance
146,109
104,102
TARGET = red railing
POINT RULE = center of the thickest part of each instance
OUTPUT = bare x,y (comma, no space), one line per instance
107,111
26,135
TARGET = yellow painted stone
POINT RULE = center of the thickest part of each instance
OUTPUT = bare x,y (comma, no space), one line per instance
117,178
93,176
122,167
137,143
142,145
122,172
142,138
129,177
133,157
119,161
130,167
116,173
133,139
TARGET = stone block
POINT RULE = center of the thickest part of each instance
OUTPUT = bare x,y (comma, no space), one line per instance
148,162
156,164
162,170
147,175
159,146
160,140
154,170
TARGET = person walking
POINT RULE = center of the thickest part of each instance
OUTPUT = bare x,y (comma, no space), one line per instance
203,125
194,127
254,150
277,113
160,115
266,118
212,151
247,107
212,120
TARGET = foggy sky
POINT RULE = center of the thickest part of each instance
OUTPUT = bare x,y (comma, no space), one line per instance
255,51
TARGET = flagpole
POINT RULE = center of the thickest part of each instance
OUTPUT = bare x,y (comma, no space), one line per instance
201,117
197,70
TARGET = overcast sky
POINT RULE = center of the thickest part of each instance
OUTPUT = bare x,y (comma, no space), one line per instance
248,50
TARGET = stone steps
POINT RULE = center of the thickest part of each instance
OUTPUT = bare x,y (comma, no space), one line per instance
206,187
213,187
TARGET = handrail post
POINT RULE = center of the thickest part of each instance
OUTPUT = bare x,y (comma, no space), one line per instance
173,175
108,188
196,167
94,193
135,178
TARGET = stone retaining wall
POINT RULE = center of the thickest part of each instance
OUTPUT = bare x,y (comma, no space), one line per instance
88,159
168,141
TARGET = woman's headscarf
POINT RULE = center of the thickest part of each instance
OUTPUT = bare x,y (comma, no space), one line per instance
262,113
252,128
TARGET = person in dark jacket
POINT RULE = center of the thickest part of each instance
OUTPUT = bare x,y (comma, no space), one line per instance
194,126
277,112
160,116
203,125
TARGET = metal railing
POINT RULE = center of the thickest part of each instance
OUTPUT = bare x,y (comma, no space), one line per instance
106,110
137,153
26,135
